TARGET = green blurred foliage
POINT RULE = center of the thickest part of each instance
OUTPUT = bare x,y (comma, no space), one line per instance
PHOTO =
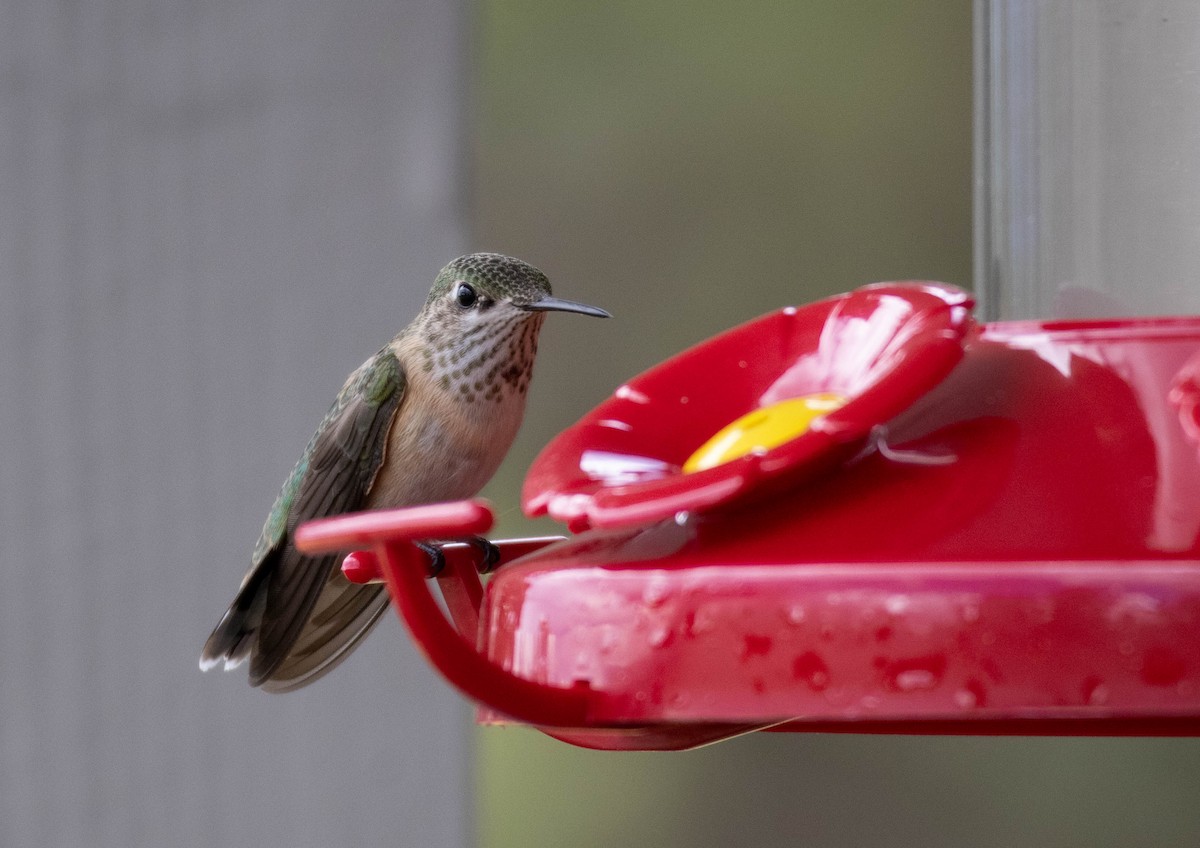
690,165
781,790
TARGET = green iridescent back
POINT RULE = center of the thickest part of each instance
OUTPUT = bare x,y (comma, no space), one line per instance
379,386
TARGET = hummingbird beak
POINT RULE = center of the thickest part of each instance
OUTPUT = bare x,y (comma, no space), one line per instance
555,304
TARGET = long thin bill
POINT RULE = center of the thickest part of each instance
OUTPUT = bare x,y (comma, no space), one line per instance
555,304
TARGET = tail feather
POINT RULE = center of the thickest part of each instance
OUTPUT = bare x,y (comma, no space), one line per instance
325,644
233,638
344,613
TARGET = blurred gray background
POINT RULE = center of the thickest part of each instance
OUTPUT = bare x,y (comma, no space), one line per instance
210,212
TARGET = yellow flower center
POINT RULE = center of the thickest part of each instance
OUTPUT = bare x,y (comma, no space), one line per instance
763,429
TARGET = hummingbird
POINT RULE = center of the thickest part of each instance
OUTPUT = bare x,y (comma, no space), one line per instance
426,419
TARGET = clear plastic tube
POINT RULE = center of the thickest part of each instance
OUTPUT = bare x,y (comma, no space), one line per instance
1087,157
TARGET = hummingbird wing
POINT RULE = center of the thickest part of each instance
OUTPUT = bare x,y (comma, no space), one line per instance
296,616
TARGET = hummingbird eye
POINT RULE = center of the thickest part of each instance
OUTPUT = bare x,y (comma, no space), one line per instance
465,296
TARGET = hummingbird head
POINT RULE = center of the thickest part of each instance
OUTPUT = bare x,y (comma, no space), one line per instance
480,324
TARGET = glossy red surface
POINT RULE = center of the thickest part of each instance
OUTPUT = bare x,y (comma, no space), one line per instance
881,347
1016,549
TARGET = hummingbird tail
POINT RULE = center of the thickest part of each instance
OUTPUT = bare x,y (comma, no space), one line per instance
232,639
343,616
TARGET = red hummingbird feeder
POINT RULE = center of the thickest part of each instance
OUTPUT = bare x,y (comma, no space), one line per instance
868,514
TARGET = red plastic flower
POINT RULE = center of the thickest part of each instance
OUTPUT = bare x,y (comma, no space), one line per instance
879,348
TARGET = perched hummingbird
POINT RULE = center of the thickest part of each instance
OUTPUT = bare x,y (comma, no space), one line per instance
428,418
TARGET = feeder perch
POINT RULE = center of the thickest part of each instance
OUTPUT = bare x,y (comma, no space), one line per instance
989,529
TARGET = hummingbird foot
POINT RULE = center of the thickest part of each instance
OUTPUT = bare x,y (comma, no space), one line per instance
437,560
489,552
489,555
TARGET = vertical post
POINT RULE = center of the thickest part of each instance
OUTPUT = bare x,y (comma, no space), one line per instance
1087,170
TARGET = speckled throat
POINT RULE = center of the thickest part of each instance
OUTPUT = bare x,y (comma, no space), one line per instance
486,363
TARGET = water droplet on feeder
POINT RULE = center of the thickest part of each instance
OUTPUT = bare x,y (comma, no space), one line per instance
656,592
1095,692
660,636
811,669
